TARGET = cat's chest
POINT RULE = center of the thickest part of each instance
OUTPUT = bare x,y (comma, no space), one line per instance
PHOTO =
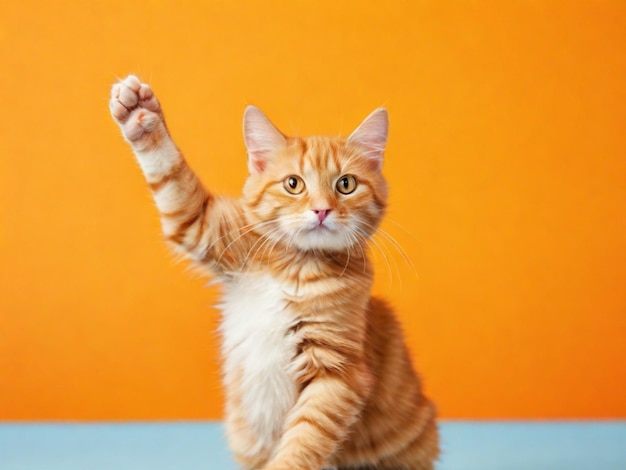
257,348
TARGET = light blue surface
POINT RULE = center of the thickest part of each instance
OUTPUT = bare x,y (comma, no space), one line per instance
190,446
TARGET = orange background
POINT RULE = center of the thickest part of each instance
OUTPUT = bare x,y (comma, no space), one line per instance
506,161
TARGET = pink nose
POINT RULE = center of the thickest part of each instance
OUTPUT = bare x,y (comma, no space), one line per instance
321,214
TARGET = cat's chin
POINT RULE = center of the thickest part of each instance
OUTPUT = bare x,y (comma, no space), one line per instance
322,238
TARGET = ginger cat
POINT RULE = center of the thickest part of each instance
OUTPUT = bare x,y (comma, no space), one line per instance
316,371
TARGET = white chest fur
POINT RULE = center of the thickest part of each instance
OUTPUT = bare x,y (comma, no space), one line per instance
257,350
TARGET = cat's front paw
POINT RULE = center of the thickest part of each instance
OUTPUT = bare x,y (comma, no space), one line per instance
137,111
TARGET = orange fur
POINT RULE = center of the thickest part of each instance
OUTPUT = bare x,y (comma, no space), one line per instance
358,402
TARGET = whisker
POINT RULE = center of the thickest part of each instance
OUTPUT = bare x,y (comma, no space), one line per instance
387,219
347,260
400,250
266,237
273,237
357,239
271,247
381,240
253,226
396,245
382,252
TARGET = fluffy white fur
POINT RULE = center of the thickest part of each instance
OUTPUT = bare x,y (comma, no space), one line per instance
254,326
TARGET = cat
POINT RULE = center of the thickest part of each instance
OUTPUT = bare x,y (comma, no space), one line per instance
316,371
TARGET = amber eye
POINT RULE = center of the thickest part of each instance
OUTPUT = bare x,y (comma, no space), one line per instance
346,184
293,184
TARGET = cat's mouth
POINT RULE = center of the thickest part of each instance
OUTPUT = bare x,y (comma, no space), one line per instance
321,227
320,236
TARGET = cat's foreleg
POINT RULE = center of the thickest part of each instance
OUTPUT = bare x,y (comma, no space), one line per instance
320,420
181,199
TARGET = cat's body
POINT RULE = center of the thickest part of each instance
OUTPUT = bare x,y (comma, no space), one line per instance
316,372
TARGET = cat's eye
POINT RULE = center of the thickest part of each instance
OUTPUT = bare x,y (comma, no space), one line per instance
346,184
293,184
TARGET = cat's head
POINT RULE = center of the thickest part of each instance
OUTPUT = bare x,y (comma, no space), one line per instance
315,193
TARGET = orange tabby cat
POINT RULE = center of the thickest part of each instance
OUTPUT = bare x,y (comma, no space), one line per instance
316,371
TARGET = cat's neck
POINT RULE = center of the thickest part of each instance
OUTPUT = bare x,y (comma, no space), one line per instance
292,262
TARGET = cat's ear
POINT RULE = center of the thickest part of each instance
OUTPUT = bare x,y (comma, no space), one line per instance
371,135
261,138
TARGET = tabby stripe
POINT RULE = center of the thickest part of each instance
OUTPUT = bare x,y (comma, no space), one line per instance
208,199
304,147
313,277
172,174
335,158
184,225
176,238
336,420
322,430
346,350
346,395
302,154
416,435
410,425
174,214
304,323
257,200
379,202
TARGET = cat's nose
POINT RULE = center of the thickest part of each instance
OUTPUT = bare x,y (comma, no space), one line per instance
321,214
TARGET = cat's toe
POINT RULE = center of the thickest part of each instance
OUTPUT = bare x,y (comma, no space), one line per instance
135,108
119,112
128,94
132,82
145,92
147,99
125,97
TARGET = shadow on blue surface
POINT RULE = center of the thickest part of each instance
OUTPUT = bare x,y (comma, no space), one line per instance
191,446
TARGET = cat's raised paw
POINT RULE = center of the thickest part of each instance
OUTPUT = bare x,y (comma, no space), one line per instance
135,108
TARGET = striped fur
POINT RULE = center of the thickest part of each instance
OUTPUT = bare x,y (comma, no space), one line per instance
316,371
